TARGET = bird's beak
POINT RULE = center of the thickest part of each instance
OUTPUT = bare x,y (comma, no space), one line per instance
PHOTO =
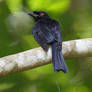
32,14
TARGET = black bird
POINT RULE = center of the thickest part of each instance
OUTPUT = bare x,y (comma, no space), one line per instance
47,32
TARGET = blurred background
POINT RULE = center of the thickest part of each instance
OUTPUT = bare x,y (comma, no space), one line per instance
16,36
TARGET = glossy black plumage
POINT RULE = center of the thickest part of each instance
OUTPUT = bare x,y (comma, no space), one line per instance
47,32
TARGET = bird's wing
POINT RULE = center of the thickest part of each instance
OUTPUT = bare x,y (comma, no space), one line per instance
45,35
38,37
52,33
56,30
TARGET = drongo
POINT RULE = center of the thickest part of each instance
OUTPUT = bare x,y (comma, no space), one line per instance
47,32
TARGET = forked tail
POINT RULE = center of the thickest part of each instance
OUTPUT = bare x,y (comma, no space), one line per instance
58,59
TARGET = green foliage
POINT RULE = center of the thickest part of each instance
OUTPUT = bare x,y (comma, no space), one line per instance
55,6
16,26
14,5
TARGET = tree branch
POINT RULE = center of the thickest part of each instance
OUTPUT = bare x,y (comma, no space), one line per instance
37,57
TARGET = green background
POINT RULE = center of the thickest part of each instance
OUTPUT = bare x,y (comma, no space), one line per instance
16,26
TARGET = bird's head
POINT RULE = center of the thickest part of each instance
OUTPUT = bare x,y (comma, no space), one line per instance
37,15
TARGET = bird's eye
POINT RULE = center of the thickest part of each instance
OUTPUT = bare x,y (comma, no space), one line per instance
41,14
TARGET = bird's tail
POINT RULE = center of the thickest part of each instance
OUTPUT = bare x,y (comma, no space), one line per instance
58,59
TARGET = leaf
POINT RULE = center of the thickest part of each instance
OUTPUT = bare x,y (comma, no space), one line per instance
14,5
